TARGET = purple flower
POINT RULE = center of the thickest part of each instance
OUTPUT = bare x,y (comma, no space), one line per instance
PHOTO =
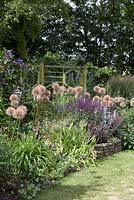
20,80
67,124
77,76
18,61
8,55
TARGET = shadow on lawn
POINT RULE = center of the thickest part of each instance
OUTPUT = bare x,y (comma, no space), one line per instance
67,192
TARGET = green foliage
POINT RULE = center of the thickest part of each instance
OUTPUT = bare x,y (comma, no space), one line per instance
5,154
72,143
28,191
98,76
121,86
20,25
91,32
127,130
52,59
31,157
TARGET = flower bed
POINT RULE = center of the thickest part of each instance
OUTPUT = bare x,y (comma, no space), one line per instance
106,149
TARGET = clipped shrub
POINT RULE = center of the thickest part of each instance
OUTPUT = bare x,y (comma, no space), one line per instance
127,130
121,86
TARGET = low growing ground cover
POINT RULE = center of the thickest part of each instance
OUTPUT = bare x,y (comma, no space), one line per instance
112,179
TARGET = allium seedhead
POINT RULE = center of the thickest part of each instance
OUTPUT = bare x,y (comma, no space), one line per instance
43,88
110,103
46,98
96,98
116,99
56,91
107,98
36,91
87,95
79,89
102,91
24,108
132,102
104,103
62,89
14,104
96,89
55,86
14,97
121,99
19,114
69,90
47,93
10,111
122,104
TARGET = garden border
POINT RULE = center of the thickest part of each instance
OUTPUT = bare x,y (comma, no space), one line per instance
106,149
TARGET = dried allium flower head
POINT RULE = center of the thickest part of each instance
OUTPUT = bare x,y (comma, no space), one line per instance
55,86
121,99
132,99
14,104
102,91
38,98
56,91
42,88
47,93
36,91
10,111
107,98
72,90
14,97
132,103
96,89
62,89
110,103
79,89
87,95
116,99
19,114
46,98
69,90
96,98
122,104
104,103
24,108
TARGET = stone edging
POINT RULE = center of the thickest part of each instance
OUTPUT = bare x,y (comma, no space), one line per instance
106,149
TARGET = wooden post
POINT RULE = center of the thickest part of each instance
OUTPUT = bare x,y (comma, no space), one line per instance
84,78
41,75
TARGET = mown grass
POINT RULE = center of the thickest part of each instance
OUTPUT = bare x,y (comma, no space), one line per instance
112,179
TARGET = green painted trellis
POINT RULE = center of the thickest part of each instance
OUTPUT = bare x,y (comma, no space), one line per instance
61,74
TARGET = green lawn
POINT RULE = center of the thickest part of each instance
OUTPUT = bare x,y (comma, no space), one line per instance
112,179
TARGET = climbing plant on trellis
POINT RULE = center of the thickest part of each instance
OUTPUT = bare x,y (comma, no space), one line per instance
64,75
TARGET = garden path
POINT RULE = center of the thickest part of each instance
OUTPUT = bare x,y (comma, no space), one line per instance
112,179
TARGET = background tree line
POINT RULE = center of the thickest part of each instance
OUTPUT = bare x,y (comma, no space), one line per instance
94,31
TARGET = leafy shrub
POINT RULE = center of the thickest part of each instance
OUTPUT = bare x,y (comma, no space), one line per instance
31,157
121,86
127,131
71,143
98,75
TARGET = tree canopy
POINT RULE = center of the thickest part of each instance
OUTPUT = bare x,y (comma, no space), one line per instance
97,31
